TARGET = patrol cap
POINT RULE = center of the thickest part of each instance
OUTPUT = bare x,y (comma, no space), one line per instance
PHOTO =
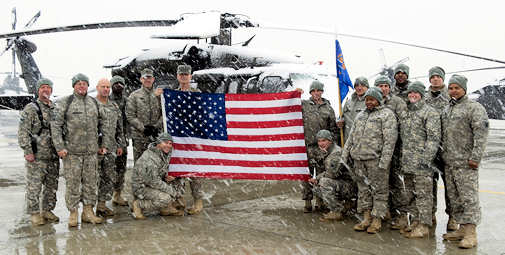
44,81
361,81
436,70
324,134
163,137
117,79
79,77
146,73
184,69
402,68
383,79
376,93
418,87
316,85
458,79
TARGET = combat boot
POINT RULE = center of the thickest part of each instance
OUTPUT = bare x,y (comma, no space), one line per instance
400,222
137,211
171,210
452,225
103,211
117,199
197,207
72,220
420,231
409,228
470,238
180,203
455,235
308,206
37,219
89,216
363,225
50,217
332,215
375,227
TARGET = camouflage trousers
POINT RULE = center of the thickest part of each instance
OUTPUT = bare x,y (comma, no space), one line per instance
418,191
120,170
335,193
307,189
139,146
41,177
373,187
195,184
153,199
439,165
397,202
463,191
108,175
81,178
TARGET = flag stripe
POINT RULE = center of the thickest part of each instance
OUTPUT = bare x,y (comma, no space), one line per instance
232,156
265,137
244,163
262,97
263,104
237,169
264,117
268,110
238,150
243,176
265,131
264,124
238,144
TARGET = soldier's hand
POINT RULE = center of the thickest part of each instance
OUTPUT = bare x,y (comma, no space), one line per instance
169,178
63,153
340,123
158,92
472,164
313,181
30,157
299,90
102,151
119,151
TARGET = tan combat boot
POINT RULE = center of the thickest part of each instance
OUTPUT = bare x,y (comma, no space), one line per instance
470,238
103,211
37,219
420,231
89,216
332,215
197,207
50,217
180,203
408,228
400,223
452,225
375,227
455,235
137,211
171,210
72,220
117,199
363,225
308,206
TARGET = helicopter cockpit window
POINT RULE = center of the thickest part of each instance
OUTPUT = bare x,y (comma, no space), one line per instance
273,84
233,87
252,85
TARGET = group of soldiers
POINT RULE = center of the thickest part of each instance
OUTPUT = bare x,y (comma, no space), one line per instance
90,135
399,139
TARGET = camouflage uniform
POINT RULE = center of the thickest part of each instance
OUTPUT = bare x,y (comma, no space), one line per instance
42,174
370,147
465,129
111,120
121,161
316,117
76,128
148,180
401,91
351,108
335,185
143,108
420,134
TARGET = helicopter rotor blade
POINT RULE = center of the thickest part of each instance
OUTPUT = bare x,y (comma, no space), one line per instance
14,18
32,20
465,71
248,41
401,61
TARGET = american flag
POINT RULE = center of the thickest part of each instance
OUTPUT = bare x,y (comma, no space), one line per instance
236,136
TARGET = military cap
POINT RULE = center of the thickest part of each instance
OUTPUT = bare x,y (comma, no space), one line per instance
361,81
117,79
458,79
418,87
79,77
316,85
146,73
44,81
164,137
184,69
383,79
402,68
375,93
436,70
324,134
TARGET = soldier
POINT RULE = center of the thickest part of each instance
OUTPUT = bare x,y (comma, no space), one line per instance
420,134
465,128
353,106
369,149
143,111
76,127
152,187
401,81
113,122
438,98
184,79
317,115
42,163
335,185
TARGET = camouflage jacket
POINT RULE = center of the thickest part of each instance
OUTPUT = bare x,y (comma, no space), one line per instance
191,89
351,109
333,168
318,157
77,125
465,127
420,134
395,104
111,120
143,108
317,117
121,103
373,136
30,126
401,92
150,171
438,100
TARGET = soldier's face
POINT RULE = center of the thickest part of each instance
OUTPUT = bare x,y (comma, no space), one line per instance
147,81
414,97
456,91
385,89
323,144
117,88
81,88
371,102
360,89
316,94
436,82
103,88
184,78
401,77
165,146
45,92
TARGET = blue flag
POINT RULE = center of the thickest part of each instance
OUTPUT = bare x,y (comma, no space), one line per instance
344,81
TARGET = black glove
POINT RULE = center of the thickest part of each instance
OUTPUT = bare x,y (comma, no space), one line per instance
148,131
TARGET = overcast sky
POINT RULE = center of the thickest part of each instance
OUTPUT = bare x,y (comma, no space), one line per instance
465,26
